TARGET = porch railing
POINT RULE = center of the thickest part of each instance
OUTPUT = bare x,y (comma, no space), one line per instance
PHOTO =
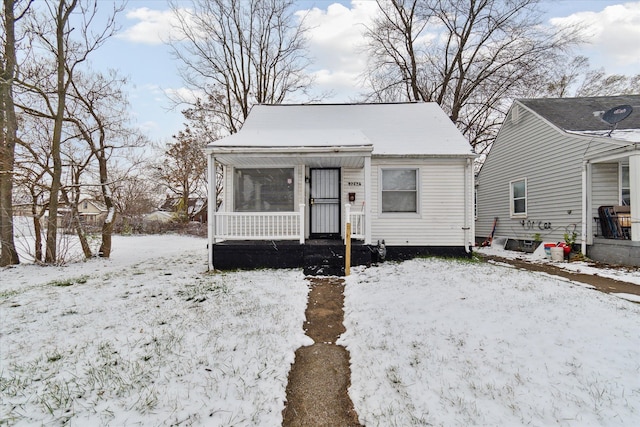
275,225
357,222
260,225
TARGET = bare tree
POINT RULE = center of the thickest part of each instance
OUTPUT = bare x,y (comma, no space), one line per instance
64,48
237,53
470,56
33,172
576,78
135,195
100,107
183,171
8,127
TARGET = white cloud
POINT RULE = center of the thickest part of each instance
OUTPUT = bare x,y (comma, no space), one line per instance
612,34
154,26
336,41
184,95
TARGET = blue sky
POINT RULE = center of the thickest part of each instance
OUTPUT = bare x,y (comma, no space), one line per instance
139,54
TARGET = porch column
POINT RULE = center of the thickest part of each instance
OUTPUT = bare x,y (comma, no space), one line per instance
634,190
301,219
367,200
211,207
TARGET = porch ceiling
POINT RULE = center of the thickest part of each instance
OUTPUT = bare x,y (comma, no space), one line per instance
351,157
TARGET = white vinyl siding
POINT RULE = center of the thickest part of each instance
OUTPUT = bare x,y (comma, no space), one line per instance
353,182
441,204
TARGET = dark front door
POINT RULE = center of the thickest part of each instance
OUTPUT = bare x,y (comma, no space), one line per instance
325,203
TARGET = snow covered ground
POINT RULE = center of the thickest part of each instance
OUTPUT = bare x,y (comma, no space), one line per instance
147,338
150,338
444,342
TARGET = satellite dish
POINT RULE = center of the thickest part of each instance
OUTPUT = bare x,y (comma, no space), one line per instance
617,114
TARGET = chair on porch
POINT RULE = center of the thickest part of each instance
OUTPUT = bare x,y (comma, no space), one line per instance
615,222
623,216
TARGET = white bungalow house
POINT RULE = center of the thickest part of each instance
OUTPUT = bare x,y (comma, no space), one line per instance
295,175
557,167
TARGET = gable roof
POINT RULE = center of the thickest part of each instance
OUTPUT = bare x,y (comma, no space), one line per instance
583,115
389,129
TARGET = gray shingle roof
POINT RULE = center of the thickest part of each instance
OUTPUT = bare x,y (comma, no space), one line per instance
583,114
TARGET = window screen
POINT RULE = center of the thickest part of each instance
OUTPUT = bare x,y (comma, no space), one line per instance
263,190
399,190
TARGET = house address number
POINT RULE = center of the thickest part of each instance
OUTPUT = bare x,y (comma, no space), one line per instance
354,184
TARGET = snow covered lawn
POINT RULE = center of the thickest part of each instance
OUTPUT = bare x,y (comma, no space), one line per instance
150,338
444,342
147,338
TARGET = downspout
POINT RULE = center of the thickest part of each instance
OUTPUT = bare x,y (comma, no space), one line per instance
585,205
467,186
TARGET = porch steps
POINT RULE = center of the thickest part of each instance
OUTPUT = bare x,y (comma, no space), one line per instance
329,260
324,261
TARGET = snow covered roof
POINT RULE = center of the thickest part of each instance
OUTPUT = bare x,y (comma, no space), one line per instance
626,135
386,129
584,115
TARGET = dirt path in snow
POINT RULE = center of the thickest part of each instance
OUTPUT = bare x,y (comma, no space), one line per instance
319,378
601,283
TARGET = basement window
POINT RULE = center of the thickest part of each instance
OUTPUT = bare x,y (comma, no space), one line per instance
518,197
263,190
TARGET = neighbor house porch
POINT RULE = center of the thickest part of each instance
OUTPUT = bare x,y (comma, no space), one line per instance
611,222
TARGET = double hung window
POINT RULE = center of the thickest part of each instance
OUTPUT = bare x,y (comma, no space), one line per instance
518,197
399,190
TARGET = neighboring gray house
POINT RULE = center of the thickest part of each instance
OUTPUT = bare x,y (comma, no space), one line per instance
556,166
294,175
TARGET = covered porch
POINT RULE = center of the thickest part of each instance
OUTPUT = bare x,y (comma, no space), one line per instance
281,205
611,206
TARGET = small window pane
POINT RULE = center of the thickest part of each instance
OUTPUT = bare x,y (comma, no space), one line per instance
399,201
519,190
519,206
625,190
399,179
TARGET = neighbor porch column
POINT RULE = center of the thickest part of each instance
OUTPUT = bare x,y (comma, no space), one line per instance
367,200
211,206
634,190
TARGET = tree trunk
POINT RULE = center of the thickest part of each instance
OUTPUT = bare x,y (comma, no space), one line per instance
8,130
37,229
107,226
62,18
107,232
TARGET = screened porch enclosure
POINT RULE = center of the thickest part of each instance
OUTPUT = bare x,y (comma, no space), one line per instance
288,196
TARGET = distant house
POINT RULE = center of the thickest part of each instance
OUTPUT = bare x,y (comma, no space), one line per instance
196,208
92,212
557,167
295,175
158,216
